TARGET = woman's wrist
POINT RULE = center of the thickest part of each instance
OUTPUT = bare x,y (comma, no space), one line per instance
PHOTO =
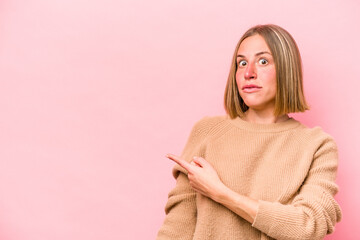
221,193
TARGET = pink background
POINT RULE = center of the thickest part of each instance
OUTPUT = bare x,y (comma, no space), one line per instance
93,94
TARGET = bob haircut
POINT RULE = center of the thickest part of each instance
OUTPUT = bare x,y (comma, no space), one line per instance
289,96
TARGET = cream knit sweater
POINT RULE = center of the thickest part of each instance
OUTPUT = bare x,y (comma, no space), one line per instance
289,167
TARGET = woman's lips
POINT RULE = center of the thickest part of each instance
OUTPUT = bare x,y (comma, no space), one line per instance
251,88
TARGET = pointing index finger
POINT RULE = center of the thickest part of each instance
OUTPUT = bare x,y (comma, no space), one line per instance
180,161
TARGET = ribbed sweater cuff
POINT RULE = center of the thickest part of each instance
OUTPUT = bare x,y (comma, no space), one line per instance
275,219
263,217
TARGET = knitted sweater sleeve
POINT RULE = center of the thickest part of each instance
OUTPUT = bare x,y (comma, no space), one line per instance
180,209
314,212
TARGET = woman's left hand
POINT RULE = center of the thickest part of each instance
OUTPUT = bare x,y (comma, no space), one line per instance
203,178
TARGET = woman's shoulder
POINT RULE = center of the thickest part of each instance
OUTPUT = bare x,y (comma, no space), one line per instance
212,120
207,123
314,134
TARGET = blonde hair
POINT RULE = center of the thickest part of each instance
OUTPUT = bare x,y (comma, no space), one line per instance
289,88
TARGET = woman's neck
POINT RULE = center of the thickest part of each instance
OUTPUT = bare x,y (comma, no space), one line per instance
263,117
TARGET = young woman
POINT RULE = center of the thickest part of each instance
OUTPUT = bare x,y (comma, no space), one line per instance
256,173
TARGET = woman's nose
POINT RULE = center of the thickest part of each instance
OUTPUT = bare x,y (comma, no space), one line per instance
250,72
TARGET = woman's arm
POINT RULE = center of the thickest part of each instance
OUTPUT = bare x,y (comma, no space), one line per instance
241,205
180,208
204,179
312,214
180,212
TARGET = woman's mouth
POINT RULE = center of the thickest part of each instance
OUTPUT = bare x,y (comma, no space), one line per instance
251,88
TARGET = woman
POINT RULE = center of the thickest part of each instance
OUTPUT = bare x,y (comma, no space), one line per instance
256,173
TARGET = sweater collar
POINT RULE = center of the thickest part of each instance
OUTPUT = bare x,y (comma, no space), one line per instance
271,127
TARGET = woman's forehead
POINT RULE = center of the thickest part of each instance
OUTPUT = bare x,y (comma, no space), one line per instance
253,45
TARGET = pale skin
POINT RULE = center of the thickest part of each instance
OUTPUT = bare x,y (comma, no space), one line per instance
255,67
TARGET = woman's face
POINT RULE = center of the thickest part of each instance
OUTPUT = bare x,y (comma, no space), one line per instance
256,75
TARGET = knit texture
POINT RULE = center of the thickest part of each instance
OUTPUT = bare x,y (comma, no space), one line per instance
289,167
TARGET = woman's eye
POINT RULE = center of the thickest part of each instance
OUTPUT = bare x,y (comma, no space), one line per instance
242,63
263,61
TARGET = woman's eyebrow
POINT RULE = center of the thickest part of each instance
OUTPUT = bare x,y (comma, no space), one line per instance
257,54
